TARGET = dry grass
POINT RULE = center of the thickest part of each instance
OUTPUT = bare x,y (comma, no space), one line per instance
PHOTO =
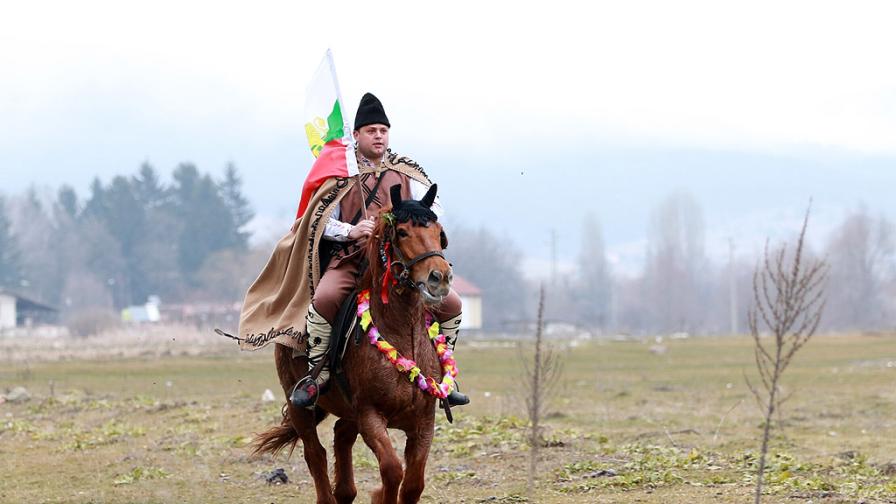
43,344
626,425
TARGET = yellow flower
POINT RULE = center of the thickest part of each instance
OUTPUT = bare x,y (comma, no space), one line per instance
366,319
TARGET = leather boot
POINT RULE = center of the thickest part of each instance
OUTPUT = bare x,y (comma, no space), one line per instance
450,328
306,391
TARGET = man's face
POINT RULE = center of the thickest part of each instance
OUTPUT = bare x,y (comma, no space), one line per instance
372,140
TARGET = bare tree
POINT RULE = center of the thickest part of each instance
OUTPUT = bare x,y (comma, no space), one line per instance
540,379
788,301
33,229
675,264
861,252
494,263
595,287
10,254
225,275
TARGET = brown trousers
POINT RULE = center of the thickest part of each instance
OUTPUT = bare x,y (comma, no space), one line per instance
341,278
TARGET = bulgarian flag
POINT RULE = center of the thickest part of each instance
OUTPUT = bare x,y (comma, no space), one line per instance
329,134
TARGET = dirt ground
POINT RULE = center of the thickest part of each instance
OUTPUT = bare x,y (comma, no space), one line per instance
166,416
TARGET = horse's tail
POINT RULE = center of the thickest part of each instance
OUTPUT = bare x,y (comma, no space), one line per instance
276,438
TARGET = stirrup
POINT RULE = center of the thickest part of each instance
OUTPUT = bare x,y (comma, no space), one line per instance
299,402
455,398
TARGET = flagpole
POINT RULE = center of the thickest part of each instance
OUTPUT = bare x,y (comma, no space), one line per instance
345,127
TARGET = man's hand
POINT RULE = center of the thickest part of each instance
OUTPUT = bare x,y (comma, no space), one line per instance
362,231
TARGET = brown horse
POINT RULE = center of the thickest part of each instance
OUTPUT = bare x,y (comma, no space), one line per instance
381,397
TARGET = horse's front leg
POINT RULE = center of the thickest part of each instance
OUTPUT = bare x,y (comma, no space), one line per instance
345,434
372,426
416,452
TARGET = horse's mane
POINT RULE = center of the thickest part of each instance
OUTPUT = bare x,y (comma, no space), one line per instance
375,267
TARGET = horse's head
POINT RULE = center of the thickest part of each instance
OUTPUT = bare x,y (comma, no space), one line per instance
416,242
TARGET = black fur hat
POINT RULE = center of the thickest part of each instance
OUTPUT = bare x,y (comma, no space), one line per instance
370,111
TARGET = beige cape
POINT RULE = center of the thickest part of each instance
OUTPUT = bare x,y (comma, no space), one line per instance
277,302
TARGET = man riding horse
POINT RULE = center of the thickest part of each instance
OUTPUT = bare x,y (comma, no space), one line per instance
371,134
335,220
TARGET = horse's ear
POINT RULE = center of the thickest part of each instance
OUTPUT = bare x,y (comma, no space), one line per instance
395,193
443,238
430,196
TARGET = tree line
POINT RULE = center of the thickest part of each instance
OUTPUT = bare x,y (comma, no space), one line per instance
186,241
128,239
680,289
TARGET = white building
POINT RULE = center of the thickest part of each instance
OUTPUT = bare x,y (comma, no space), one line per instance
145,313
7,311
471,297
17,310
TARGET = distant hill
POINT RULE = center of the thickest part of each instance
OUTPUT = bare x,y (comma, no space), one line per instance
743,195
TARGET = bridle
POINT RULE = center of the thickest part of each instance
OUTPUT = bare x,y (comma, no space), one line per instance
397,259
404,278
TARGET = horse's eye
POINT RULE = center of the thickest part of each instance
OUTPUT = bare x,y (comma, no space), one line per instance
402,233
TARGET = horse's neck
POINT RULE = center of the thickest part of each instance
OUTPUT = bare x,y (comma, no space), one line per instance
400,322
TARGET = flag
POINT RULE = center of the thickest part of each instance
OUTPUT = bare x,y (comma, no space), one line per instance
329,135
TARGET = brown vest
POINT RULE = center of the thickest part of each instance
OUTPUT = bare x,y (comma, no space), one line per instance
358,194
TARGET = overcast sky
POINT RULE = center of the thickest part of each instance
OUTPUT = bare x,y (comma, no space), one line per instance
617,104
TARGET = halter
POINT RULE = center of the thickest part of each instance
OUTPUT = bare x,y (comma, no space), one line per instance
404,277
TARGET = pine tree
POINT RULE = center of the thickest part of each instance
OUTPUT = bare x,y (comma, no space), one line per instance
115,216
67,201
126,220
148,189
240,210
205,218
96,205
125,217
154,258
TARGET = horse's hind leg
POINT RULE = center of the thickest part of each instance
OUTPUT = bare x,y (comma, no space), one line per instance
305,423
416,451
373,429
346,432
315,455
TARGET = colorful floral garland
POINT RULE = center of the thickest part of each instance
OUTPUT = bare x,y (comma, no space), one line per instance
405,365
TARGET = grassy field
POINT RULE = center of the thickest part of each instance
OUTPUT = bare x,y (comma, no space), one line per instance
626,425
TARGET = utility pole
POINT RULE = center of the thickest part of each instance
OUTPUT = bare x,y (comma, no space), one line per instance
732,286
553,257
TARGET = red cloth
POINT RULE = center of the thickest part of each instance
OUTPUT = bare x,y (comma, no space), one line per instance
330,163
